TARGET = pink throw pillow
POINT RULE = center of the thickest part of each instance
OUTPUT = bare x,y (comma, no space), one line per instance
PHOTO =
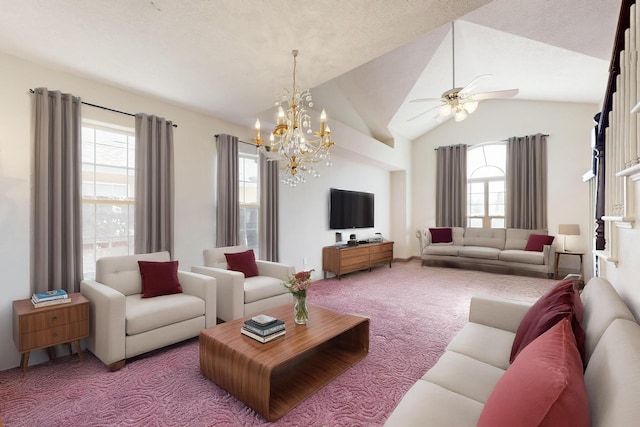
159,278
537,242
244,262
543,387
441,235
560,302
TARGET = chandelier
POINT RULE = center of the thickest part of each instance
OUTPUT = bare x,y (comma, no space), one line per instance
293,143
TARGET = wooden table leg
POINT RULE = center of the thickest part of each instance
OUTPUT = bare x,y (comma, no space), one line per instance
24,362
79,350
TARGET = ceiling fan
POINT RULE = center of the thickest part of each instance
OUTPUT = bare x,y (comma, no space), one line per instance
460,100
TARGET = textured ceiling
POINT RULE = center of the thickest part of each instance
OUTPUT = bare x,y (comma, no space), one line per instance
364,59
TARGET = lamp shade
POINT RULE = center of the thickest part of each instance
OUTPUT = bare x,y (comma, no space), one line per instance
569,229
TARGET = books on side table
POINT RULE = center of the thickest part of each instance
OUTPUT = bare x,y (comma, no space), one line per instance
263,328
44,299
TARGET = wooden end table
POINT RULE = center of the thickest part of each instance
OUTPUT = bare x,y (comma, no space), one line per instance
45,327
275,377
558,253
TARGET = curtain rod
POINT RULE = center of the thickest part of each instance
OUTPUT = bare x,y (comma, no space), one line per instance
244,142
106,108
489,142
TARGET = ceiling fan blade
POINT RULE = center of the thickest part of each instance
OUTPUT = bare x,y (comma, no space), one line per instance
426,100
423,113
497,94
472,84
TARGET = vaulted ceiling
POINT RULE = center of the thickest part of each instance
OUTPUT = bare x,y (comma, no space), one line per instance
363,59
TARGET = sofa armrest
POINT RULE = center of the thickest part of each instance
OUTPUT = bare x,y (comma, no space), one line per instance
498,312
203,287
424,236
275,269
229,291
107,321
549,254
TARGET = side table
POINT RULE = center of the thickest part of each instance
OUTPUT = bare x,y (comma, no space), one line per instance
558,253
45,327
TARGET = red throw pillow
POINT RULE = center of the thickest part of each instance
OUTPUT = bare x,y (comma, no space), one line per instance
543,387
441,235
159,278
244,262
537,242
560,302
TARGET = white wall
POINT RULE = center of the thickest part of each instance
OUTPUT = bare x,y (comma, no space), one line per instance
569,157
304,214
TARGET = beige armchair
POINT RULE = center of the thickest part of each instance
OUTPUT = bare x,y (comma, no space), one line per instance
239,296
123,325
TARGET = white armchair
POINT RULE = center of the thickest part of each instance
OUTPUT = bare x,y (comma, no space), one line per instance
239,296
123,325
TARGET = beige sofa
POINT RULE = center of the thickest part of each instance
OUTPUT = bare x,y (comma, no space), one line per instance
239,296
453,392
490,249
123,325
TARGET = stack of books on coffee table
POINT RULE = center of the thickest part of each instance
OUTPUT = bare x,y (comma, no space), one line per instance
44,299
263,328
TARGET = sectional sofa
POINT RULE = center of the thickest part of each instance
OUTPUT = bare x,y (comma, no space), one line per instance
475,371
510,250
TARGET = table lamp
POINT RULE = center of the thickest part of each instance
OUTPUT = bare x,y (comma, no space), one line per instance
568,230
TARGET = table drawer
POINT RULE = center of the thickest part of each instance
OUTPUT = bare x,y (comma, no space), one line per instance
383,247
381,257
52,317
54,335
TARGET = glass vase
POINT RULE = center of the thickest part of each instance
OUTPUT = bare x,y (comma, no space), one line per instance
300,309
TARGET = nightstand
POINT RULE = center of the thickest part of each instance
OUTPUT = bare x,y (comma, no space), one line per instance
558,253
45,327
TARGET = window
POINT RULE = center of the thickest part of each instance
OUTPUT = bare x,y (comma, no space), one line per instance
108,185
248,199
486,186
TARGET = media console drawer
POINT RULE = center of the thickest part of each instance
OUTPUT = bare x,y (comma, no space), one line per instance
342,260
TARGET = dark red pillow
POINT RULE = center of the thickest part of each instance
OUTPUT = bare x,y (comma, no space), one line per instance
441,235
159,278
563,301
537,242
244,262
543,387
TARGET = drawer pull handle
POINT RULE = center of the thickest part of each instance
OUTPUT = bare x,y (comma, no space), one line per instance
54,318
55,334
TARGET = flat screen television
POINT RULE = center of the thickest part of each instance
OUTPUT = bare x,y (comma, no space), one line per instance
350,209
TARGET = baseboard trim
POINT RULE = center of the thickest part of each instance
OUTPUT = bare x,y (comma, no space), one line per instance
406,259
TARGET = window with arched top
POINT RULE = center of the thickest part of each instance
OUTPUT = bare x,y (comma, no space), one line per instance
486,165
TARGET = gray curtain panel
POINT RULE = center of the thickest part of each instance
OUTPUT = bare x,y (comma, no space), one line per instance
228,208
154,206
268,209
57,192
526,182
451,186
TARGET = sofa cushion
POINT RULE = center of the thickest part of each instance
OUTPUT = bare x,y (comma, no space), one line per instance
260,287
479,252
214,257
449,250
453,370
543,387
517,238
525,257
145,314
602,305
486,237
428,404
458,235
612,377
484,343
122,273
537,242
244,262
560,302
159,278
441,235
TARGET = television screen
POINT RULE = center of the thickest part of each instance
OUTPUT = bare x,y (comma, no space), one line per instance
350,209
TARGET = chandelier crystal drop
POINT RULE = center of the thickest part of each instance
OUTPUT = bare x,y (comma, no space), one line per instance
293,143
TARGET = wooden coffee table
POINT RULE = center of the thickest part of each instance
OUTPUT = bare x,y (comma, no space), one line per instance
275,377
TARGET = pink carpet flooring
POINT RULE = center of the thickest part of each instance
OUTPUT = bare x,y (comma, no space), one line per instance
414,313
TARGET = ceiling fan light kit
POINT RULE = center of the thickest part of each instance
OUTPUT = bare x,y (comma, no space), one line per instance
459,100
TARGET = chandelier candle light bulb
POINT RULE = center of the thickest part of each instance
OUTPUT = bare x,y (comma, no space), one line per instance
296,154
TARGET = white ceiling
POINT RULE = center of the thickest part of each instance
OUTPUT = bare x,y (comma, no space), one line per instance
363,59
